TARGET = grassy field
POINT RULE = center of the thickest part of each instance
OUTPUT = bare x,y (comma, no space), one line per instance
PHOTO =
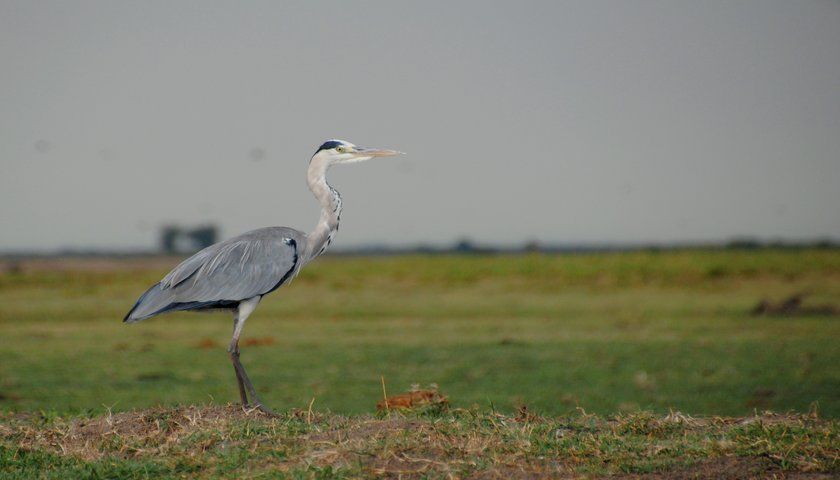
603,349
225,442
604,332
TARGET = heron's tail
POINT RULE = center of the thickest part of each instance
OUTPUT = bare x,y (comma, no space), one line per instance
154,301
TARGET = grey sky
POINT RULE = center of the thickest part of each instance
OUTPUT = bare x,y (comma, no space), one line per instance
558,121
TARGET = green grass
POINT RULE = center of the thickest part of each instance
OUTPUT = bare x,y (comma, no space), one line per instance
604,332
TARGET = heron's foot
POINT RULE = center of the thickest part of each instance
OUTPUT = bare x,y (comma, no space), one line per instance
261,408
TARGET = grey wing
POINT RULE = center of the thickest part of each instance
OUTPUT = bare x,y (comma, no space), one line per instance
222,275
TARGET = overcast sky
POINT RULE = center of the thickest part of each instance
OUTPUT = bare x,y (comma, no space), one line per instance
617,121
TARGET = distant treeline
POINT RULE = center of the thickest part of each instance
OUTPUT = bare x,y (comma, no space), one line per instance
466,246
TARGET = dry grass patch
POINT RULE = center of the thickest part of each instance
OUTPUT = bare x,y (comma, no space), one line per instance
224,441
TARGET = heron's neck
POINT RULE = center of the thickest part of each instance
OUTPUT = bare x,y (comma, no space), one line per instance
319,239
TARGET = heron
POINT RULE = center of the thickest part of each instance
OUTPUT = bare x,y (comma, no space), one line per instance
235,274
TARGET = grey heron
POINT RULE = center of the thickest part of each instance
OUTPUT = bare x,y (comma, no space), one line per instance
236,273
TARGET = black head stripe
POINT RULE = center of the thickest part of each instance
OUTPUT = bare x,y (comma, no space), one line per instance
329,145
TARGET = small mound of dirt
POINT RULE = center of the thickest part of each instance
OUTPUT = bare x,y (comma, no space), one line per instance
792,306
258,342
413,399
207,344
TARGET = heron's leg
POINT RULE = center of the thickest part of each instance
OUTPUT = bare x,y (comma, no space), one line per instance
256,402
244,310
233,351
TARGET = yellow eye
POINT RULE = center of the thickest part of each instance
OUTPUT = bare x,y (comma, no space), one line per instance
340,149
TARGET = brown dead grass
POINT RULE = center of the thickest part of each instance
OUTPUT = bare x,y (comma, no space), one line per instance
156,429
457,444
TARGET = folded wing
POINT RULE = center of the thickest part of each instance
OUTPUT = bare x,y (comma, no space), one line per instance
222,275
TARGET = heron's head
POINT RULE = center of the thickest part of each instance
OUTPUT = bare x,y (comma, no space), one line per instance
333,152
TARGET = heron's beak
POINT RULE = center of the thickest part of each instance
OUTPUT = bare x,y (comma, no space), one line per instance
374,152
